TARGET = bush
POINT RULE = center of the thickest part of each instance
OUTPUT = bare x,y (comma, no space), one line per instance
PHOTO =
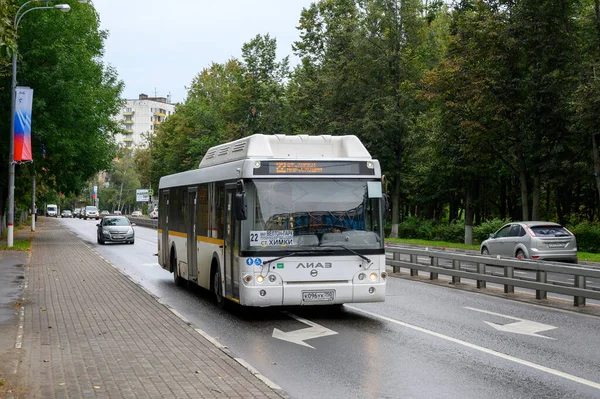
588,236
453,232
483,231
409,228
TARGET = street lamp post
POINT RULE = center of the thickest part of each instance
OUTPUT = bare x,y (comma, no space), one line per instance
11,164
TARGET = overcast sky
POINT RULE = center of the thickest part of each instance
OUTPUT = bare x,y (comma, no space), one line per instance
161,45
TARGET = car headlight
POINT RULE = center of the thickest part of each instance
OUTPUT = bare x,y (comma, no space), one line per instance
105,231
130,231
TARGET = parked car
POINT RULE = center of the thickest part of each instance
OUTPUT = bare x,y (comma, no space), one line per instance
116,212
115,229
136,214
104,213
532,240
91,212
66,214
154,214
76,212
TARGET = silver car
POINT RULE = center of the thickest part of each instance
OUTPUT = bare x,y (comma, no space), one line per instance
532,240
115,229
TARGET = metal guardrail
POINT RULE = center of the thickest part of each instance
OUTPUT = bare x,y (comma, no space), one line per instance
476,268
143,222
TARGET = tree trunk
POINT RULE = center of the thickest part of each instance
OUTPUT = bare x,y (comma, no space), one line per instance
395,207
524,191
469,214
537,193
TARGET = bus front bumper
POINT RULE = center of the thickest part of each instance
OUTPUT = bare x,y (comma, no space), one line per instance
296,294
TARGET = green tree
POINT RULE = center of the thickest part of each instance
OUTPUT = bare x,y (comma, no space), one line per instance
361,63
75,95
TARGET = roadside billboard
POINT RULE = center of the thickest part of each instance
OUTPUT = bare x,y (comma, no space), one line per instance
142,195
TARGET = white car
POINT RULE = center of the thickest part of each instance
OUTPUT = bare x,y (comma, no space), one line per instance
136,214
154,214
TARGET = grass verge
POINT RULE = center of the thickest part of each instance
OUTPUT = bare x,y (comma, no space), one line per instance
583,256
18,245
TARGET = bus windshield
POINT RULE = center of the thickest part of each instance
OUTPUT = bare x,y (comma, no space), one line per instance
297,214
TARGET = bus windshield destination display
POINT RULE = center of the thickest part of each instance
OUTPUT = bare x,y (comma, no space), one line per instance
313,168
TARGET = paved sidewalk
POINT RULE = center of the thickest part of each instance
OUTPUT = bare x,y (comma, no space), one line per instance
91,332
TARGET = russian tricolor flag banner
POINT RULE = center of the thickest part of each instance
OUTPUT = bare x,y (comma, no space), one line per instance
23,103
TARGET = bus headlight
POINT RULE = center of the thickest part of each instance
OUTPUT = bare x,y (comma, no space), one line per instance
361,276
257,164
247,278
260,279
272,278
370,165
373,277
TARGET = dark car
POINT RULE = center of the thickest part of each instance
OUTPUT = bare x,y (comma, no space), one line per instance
115,229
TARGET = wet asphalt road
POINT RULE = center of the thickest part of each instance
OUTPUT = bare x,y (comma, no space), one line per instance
425,341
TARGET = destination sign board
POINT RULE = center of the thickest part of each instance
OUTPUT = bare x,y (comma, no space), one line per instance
314,168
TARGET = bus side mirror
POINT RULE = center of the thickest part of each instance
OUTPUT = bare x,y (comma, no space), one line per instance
240,206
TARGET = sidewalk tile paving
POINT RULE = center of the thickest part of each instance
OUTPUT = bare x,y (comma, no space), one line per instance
90,332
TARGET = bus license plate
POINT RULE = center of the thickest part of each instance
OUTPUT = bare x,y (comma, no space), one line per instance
311,296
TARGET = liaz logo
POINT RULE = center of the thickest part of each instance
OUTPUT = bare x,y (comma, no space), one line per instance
312,265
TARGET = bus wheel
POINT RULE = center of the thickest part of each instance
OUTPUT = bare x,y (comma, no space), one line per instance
176,277
218,288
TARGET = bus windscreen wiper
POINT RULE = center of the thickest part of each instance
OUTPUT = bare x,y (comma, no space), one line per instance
349,250
306,252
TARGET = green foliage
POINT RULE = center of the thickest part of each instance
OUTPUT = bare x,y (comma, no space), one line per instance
225,102
483,231
75,95
588,236
18,245
431,230
124,181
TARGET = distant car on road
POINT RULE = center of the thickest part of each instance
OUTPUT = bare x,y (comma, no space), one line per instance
104,213
66,214
136,214
532,240
51,210
115,229
91,212
116,212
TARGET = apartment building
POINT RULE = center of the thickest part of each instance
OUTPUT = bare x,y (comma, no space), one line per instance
142,116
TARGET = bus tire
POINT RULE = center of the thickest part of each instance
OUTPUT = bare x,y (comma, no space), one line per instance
176,277
217,287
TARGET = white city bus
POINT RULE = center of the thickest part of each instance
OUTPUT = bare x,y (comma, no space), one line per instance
275,220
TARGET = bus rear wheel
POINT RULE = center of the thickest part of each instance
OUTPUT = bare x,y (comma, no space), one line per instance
218,288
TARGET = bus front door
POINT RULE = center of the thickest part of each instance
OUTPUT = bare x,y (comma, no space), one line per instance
164,215
192,251
231,231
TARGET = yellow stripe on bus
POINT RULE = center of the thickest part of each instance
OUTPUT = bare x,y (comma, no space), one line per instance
198,238
210,240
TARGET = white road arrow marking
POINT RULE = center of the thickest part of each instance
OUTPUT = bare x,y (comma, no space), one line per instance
299,336
522,326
